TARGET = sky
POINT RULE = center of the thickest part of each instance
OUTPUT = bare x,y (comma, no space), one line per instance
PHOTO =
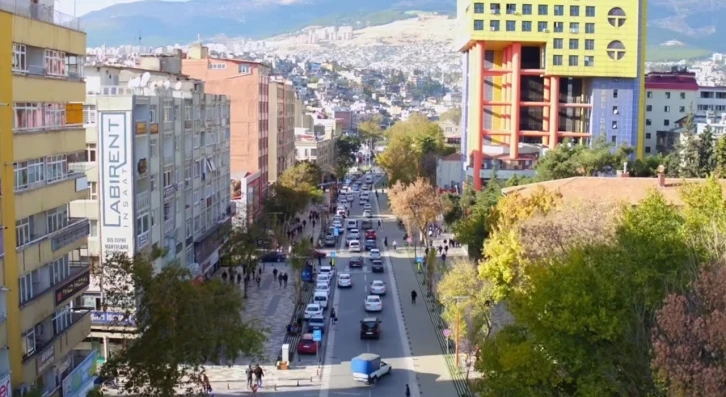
86,6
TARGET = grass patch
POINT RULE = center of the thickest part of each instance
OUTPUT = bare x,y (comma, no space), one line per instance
674,53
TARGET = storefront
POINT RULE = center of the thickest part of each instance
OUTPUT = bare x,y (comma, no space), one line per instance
81,380
206,249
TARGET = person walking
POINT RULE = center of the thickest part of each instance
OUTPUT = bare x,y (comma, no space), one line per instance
408,391
207,386
333,317
284,280
413,296
379,225
249,372
259,374
395,245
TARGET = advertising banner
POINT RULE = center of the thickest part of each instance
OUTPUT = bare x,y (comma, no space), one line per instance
83,373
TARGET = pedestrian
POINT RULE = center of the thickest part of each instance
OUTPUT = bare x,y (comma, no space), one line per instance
274,273
313,224
207,385
258,280
279,279
379,225
249,372
305,223
413,296
239,279
333,317
311,240
254,390
443,257
426,251
224,276
446,249
284,280
259,374
408,391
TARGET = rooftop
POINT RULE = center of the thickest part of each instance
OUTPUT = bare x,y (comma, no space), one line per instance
42,12
674,80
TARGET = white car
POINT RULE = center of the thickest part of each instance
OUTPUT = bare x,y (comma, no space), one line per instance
312,310
322,287
323,278
345,281
373,303
378,287
354,233
350,197
368,214
350,238
367,207
354,246
375,253
327,270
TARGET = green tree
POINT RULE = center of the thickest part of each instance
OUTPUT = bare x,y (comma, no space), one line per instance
687,161
303,179
240,250
346,148
300,254
473,228
371,129
400,160
706,152
283,203
180,326
720,157
568,160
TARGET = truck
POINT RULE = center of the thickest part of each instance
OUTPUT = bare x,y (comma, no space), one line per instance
368,368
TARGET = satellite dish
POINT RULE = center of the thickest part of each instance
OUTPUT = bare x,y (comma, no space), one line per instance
167,84
145,79
178,85
135,82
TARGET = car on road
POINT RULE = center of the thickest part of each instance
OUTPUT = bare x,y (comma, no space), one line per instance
367,213
307,345
273,256
370,327
369,368
356,261
350,197
367,207
351,224
344,280
365,196
323,278
329,241
338,224
354,246
329,270
377,266
366,224
356,187
378,287
316,323
312,310
354,232
373,303
375,254
370,244
322,287
370,235
350,238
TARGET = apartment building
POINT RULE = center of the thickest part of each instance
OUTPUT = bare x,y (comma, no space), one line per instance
541,72
246,84
281,154
669,97
315,147
710,99
42,318
173,142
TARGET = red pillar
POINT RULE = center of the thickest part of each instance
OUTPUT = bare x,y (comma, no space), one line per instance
515,79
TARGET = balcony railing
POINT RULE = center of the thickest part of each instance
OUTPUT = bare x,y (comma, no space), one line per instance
169,191
143,200
42,345
142,240
169,226
74,73
40,12
168,159
79,274
82,167
71,175
77,228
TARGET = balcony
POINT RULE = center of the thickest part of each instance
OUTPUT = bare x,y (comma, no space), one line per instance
30,88
73,72
168,159
78,280
82,374
43,13
77,229
143,201
187,124
31,143
142,240
83,167
169,226
169,191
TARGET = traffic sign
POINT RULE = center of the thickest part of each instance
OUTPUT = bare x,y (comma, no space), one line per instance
332,254
447,333
419,259
317,335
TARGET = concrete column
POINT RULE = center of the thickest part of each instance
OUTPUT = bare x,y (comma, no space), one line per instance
478,68
516,76
546,111
554,110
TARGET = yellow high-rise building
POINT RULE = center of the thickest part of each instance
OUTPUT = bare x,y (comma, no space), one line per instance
541,71
44,271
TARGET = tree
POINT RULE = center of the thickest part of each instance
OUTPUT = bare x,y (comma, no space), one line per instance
706,155
180,326
283,203
688,161
346,148
303,179
412,145
371,129
688,344
400,161
568,160
473,228
453,115
300,255
241,249
720,157
417,204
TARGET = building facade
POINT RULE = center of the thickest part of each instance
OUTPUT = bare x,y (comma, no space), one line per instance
669,97
316,148
42,135
246,84
542,72
281,154
173,142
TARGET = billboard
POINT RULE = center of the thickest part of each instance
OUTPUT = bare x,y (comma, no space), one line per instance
83,373
6,389
116,180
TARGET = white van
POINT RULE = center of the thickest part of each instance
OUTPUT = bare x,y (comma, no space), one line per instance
351,224
369,179
321,298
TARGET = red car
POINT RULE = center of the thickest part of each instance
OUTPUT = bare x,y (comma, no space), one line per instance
307,345
370,234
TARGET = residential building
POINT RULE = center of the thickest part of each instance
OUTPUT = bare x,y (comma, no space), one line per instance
173,141
281,154
245,198
42,318
450,173
452,132
315,147
711,99
669,97
246,84
551,70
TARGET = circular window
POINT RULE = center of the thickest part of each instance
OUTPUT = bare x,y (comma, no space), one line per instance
616,17
616,50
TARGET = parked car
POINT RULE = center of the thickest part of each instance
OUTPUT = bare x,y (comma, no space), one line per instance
312,310
316,323
307,345
329,241
273,256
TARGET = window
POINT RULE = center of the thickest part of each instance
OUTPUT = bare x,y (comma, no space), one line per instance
542,9
168,112
168,178
197,168
613,139
647,135
494,26
91,152
574,44
60,269
495,8
668,95
615,94
649,94
590,11
93,190
589,44
244,69
23,229
152,182
187,112
29,342
478,24
478,9
559,10
28,173
589,28
615,110
559,27
574,27
152,114
55,115
589,61
572,60
189,229
666,123
681,109
648,122
649,108
541,26
218,66
615,125
557,44
511,26
20,58
511,9
616,17
142,223
666,109
647,149
55,63
56,168
526,9
683,95
616,50
574,11
62,320
154,148
557,60
526,26
56,219
94,228
89,114
188,173
28,116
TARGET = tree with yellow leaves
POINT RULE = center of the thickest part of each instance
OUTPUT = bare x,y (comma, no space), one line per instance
417,204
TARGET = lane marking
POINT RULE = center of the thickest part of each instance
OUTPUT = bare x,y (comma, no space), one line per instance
408,360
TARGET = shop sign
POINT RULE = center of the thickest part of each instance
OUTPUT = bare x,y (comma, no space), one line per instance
46,358
80,375
76,285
